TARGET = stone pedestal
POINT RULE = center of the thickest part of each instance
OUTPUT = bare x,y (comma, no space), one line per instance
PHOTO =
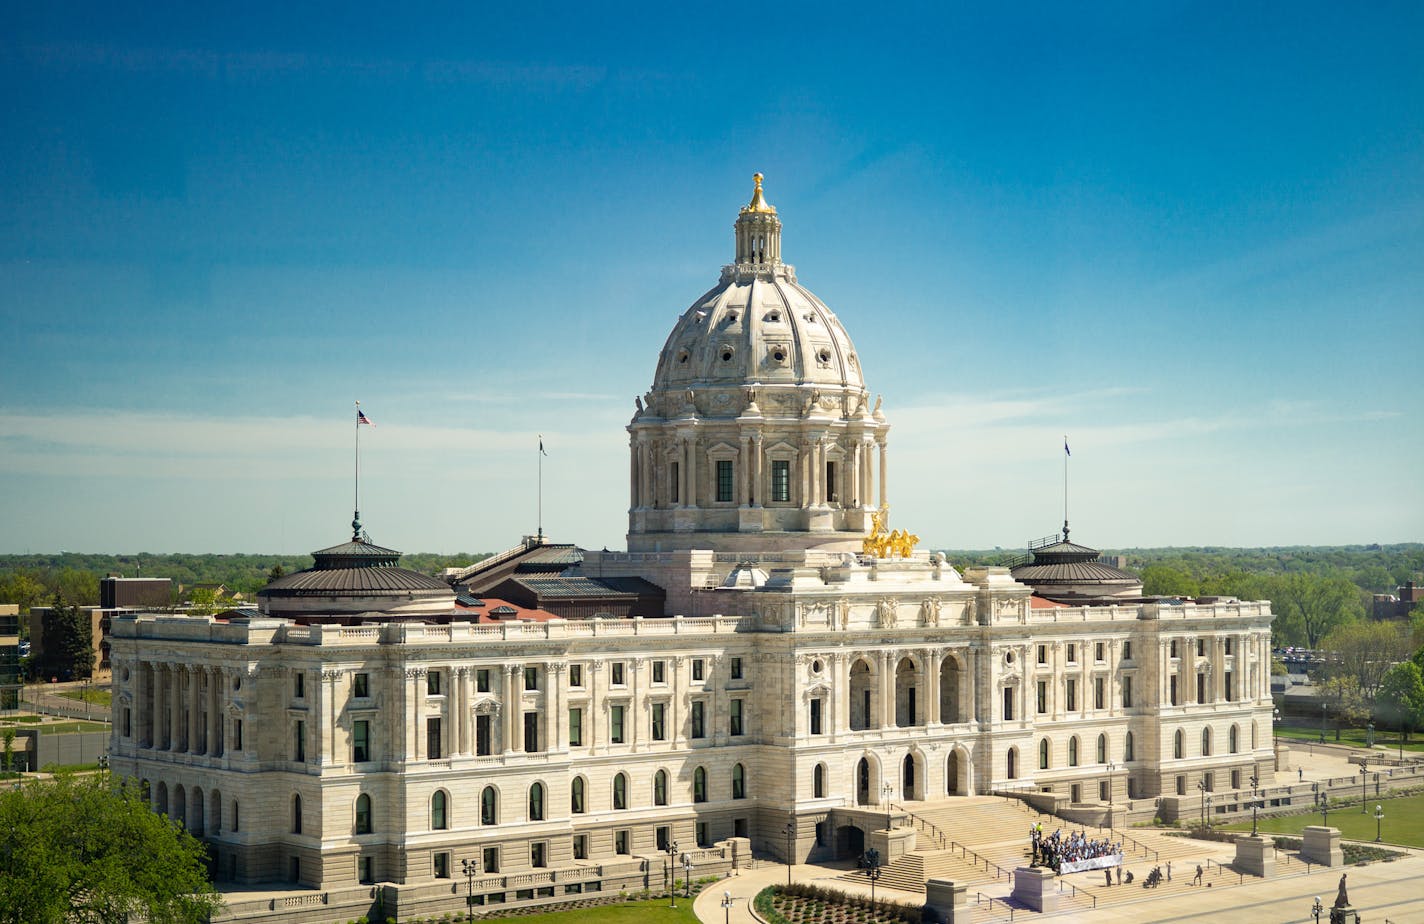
1036,887
1255,855
949,903
892,844
1321,845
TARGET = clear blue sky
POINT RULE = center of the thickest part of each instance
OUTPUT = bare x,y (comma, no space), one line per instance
1189,236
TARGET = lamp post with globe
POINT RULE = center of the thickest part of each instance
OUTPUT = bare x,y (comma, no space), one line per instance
1379,822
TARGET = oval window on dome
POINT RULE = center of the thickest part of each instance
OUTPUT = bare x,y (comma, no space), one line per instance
726,354
779,355
683,356
824,356
774,316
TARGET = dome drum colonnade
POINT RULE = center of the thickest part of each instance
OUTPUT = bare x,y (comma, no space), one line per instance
758,420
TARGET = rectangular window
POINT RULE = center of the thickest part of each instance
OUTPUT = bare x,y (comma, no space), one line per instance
1201,687
432,738
1099,692
659,721
237,735
699,726
724,481
1072,654
675,483
580,846
1181,785
662,836
616,670
816,716
491,860
299,741
1228,644
735,668
1042,654
704,834
1102,790
1041,695
740,827
367,869
484,735
576,675
531,678
1173,690
361,686
128,722
1127,651
697,668
1127,692
1210,780
734,724
576,728
1008,704
781,480
1072,695
620,842
1235,779
360,741
482,680
538,854
531,732
1098,651
1172,649
659,672
831,496
299,685
1230,687
1201,648
615,724
442,865
432,683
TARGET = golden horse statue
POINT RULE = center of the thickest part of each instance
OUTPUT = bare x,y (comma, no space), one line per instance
880,544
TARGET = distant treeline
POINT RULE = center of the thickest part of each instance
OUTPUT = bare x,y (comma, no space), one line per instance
35,579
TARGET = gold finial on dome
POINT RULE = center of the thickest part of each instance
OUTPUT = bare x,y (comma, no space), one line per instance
758,204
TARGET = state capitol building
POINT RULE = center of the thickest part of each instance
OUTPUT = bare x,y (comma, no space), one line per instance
763,670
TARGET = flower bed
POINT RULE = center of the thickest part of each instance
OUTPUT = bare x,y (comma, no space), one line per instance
813,904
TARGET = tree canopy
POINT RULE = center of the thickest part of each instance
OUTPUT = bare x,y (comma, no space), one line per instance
77,850
1401,696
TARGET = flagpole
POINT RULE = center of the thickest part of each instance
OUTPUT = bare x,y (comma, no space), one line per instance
1066,454
541,487
356,517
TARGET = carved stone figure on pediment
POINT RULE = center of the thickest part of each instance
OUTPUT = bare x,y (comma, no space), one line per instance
414,673
885,613
487,706
971,607
930,610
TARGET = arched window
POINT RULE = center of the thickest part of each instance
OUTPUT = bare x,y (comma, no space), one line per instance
1234,739
1253,736
489,806
620,791
699,785
660,795
1102,749
536,802
1011,764
439,819
1179,745
1043,753
577,804
739,781
1128,751
1206,742
363,814
818,781
1073,751
296,814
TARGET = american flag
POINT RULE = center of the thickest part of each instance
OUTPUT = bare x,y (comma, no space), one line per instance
361,418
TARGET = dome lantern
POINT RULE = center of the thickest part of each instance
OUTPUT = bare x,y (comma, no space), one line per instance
758,231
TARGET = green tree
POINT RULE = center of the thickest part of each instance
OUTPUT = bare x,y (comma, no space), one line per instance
205,601
1365,651
1308,606
1401,696
68,642
275,573
77,850
8,736
1348,702
1169,581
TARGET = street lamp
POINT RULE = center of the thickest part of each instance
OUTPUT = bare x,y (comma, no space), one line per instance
1111,767
103,768
887,790
727,907
1324,800
1322,721
687,875
790,846
472,869
672,867
1255,803
1379,820
1316,909
1364,788
1201,784
872,872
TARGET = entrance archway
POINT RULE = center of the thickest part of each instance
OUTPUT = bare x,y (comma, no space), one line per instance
910,780
850,842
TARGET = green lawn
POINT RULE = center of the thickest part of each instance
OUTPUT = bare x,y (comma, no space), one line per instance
1403,822
99,697
650,912
1351,736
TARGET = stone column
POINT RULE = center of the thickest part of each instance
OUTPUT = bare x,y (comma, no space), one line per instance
416,680
158,711
758,471
887,689
514,740
195,710
461,712
744,473
932,696
556,739
691,476
175,709
633,473
637,706
883,465
142,706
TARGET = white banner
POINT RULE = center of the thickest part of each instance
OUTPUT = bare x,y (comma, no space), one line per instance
1077,866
